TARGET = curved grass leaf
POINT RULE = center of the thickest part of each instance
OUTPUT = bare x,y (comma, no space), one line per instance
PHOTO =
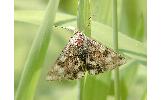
36,56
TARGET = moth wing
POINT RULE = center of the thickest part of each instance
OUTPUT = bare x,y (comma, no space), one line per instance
100,58
67,66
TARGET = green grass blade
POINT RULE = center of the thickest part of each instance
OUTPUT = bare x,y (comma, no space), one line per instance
115,46
83,24
83,18
36,56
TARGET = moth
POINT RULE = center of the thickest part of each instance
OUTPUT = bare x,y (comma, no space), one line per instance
83,54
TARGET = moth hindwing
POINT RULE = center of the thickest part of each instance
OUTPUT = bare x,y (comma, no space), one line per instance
83,54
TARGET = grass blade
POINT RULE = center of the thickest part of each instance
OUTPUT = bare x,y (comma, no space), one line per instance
83,24
115,46
36,56
83,18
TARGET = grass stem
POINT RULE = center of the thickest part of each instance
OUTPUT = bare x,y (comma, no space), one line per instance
115,45
33,65
83,25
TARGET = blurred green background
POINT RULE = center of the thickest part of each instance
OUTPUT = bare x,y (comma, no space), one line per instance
132,42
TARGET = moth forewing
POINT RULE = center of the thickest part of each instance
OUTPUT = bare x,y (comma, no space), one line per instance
83,54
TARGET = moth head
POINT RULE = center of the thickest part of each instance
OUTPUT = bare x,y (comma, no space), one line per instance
78,39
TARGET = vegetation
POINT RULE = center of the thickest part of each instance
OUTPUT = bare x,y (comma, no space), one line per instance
33,59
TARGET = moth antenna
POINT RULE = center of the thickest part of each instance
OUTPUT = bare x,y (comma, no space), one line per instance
66,28
88,24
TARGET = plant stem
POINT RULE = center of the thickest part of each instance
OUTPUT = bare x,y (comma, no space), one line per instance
115,45
36,56
83,18
83,25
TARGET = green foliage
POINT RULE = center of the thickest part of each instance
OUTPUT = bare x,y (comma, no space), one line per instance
100,87
36,56
133,18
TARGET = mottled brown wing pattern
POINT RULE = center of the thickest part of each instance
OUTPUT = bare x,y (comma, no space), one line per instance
68,65
101,58
71,64
83,54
